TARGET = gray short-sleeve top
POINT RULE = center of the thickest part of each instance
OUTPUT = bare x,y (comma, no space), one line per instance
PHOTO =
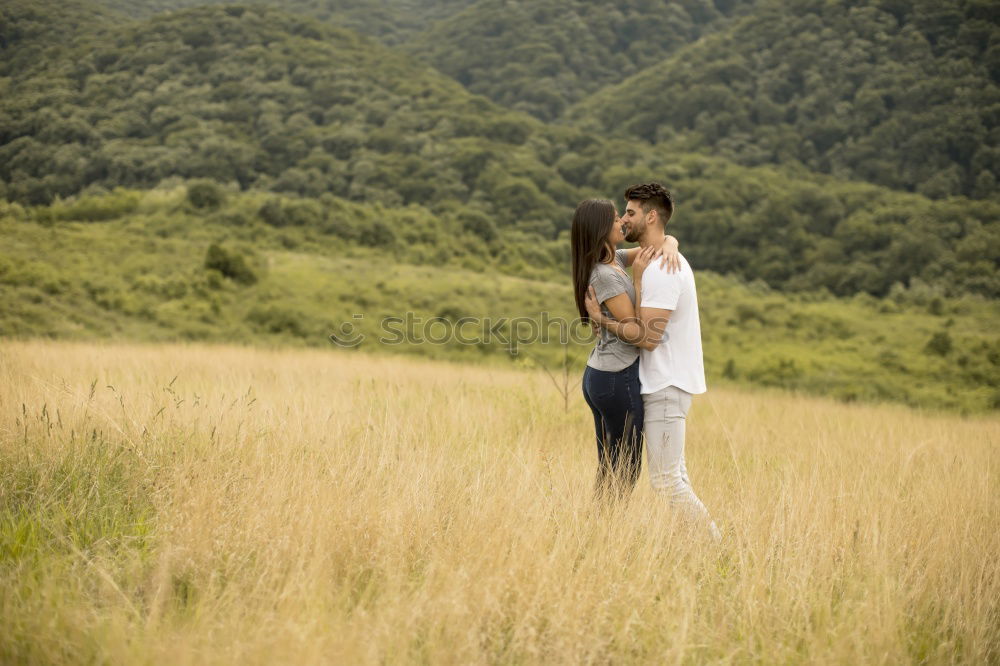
610,353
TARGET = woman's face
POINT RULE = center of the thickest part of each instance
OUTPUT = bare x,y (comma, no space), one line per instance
616,235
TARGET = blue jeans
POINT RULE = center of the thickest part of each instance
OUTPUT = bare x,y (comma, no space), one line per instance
615,400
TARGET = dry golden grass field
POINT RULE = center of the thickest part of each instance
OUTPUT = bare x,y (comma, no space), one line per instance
194,504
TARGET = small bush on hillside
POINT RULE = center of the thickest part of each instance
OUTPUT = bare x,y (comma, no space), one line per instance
230,263
205,195
939,344
94,208
479,224
776,372
378,234
276,319
292,213
272,214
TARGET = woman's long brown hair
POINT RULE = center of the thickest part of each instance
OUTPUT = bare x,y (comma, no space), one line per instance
589,240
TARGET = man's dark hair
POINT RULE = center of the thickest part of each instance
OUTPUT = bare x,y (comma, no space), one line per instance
652,196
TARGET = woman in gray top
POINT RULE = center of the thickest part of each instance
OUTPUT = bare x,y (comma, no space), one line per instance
611,379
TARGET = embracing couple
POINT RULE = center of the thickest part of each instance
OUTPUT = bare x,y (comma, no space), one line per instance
647,363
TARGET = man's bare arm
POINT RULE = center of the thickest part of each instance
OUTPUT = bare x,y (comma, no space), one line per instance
654,323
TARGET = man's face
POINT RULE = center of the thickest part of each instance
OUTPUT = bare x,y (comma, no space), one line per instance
635,221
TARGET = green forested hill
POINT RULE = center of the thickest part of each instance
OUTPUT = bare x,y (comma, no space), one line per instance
389,20
800,232
538,56
900,94
896,93
32,31
544,55
251,98
267,100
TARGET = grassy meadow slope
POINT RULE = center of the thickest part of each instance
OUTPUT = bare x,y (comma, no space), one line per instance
191,504
139,266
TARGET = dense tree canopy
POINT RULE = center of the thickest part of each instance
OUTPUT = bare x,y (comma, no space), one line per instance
251,98
390,20
267,100
896,93
32,31
542,56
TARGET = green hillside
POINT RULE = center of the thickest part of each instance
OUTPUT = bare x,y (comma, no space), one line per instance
801,231
255,99
900,94
33,31
154,266
544,55
267,100
389,20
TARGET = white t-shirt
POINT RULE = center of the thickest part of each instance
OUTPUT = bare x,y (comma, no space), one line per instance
677,360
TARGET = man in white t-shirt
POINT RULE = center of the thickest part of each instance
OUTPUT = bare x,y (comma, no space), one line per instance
673,370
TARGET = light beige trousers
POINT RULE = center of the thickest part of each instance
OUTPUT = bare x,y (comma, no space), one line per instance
664,427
